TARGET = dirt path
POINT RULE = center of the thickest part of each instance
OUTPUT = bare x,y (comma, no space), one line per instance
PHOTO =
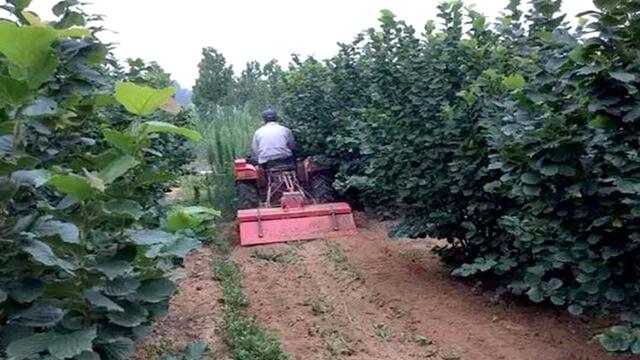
371,298
194,314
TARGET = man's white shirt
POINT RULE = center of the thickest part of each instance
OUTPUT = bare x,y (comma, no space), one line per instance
272,141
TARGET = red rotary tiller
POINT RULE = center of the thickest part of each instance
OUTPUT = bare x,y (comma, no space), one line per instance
297,203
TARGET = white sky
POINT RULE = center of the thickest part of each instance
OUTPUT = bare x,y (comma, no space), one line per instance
174,32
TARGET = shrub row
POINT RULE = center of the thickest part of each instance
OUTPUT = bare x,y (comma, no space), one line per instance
88,255
514,140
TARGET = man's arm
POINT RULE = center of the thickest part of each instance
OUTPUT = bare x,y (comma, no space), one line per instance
291,141
255,146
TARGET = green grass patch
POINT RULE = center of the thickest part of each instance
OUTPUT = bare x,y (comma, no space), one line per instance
341,262
242,332
289,256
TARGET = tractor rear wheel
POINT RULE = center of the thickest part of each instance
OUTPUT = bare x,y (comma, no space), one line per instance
322,190
247,195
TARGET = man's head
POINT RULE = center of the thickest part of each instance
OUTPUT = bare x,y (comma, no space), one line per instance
269,115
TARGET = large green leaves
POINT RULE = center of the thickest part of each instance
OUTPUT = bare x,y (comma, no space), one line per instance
71,259
43,254
72,344
124,142
155,291
28,346
68,232
124,208
28,48
97,299
162,127
116,349
62,346
150,237
117,168
133,315
142,100
190,217
39,315
13,91
78,186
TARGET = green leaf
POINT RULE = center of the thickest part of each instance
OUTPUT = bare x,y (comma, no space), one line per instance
3,296
181,246
601,122
87,355
20,4
578,55
153,177
13,91
530,178
25,290
155,291
39,315
632,115
116,349
121,141
26,347
29,49
114,268
41,107
190,217
195,350
43,254
121,286
575,309
124,208
623,76
606,4
97,299
535,294
555,284
74,32
150,237
75,185
514,82
142,100
117,168
25,46
163,127
549,170
68,232
616,338
35,178
6,145
132,316
72,344
615,294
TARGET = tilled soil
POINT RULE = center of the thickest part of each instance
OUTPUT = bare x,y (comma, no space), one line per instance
368,297
394,300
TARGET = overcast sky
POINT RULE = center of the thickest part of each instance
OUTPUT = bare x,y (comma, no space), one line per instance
173,33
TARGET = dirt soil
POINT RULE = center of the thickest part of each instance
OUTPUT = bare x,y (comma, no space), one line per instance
394,300
195,314
368,297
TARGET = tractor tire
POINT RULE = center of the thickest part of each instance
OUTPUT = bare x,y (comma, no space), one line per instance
247,196
321,188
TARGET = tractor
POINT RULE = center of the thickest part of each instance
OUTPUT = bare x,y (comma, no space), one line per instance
287,201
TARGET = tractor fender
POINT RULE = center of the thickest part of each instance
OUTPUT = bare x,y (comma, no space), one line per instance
244,171
311,168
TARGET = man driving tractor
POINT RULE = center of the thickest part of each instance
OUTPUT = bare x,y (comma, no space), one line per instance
283,199
273,144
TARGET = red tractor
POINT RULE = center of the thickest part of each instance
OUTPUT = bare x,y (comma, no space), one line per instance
288,201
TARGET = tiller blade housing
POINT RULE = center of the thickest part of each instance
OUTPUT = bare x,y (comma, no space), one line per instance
282,224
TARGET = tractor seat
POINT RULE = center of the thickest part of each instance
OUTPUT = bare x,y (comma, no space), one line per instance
278,165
